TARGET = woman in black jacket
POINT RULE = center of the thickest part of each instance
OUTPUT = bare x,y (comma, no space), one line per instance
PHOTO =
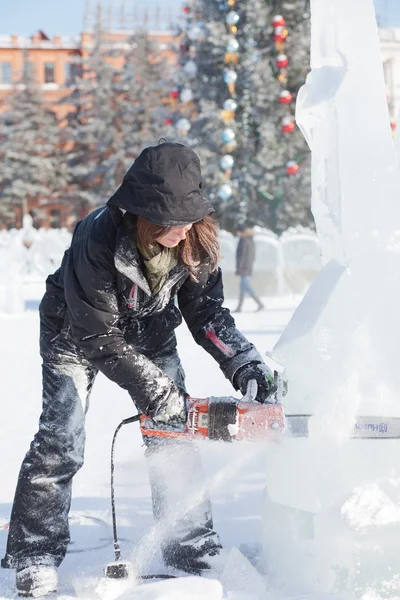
110,307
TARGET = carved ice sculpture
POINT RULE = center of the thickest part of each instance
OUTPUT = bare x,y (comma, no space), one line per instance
341,348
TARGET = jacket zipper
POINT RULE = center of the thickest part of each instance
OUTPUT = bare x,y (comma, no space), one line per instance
133,296
211,335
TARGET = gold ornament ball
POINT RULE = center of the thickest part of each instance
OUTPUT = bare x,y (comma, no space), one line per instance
227,115
231,58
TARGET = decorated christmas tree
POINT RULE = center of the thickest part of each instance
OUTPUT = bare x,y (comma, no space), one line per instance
242,63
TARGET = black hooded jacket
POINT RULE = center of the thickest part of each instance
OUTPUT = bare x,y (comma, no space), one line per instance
99,299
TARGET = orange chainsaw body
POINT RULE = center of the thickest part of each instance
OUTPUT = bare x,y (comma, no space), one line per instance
224,419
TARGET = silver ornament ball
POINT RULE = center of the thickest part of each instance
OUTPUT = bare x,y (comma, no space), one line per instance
228,135
227,161
230,76
232,18
230,104
183,125
232,45
225,191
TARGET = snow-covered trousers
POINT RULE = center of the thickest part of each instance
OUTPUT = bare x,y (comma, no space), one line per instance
39,531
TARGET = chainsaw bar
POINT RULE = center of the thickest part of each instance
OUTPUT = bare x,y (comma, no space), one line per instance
367,428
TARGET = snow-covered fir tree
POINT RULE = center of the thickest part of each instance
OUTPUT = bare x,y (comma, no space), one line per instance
116,112
238,92
32,160
91,128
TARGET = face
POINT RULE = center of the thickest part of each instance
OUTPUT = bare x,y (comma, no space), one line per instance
174,236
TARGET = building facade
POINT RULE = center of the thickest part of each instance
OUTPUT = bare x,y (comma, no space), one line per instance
55,61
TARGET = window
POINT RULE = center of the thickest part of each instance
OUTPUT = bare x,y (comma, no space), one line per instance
5,73
49,72
72,71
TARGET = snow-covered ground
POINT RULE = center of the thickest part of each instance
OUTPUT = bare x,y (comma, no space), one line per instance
235,473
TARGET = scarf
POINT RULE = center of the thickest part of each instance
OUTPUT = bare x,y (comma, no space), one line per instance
158,262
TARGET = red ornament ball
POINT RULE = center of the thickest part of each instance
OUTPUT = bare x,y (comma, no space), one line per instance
278,21
288,125
186,9
168,122
174,94
292,168
282,61
393,125
280,34
285,97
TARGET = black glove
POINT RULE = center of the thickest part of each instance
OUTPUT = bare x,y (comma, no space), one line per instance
170,410
264,377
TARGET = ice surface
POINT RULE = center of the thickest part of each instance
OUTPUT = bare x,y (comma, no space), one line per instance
240,576
340,348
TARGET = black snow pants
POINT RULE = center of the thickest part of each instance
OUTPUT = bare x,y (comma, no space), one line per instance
39,531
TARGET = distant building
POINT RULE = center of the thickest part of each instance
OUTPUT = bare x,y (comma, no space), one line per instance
55,61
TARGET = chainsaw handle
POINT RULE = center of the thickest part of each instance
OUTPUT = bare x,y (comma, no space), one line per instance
277,390
251,391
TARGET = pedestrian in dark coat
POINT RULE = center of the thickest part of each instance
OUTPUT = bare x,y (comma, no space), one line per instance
245,256
110,307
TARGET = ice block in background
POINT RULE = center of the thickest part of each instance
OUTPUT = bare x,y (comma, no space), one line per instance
341,347
347,321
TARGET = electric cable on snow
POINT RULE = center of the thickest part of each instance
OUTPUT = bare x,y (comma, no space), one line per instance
120,569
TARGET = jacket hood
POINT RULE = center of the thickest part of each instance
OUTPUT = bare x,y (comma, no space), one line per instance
164,186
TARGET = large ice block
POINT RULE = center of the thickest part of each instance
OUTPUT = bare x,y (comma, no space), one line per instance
348,320
341,347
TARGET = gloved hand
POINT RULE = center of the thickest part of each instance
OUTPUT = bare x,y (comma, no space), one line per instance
170,411
264,378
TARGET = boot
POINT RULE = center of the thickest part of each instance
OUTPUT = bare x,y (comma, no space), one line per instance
238,309
260,305
194,555
36,580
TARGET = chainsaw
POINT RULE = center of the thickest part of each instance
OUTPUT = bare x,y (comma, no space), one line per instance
227,418
230,419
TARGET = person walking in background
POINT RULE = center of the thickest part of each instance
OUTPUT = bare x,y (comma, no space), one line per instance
245,255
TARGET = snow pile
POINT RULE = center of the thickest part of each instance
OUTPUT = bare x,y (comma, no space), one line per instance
189,588
370,507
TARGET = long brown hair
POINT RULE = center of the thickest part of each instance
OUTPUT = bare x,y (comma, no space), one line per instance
200,246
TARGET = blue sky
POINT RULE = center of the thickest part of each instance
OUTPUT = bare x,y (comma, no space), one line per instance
66,16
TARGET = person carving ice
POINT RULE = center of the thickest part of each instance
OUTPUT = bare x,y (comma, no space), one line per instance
110,307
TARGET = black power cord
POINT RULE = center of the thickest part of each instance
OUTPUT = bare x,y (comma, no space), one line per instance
117,550
119,569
